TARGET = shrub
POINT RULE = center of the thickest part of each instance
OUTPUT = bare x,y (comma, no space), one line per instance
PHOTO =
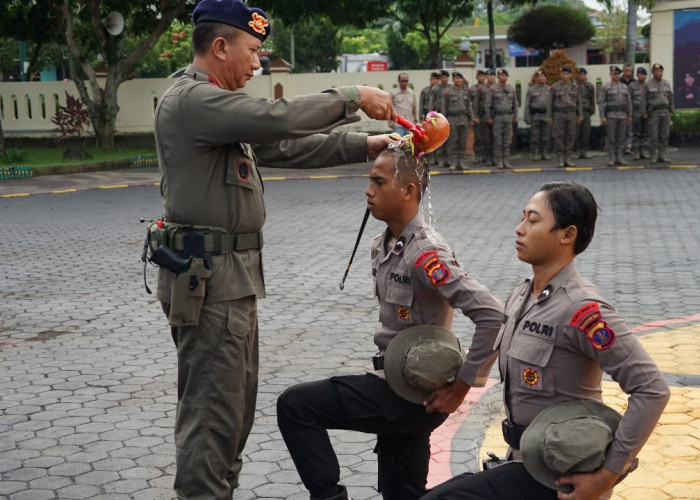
686,121
552,66
72,119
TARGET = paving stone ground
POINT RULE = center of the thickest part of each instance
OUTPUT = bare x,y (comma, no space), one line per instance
87,393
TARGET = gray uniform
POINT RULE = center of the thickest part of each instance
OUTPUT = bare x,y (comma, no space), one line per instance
502,107
657,104
417,281
555,348
639,136
437,103
424,101
483,141
537,113
209,177
583,133
458,111
566,110
615,105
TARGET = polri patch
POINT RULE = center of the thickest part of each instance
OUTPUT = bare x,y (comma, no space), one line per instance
589,320
531,378
436,270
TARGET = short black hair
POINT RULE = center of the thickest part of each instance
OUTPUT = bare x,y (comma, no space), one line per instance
409,168
206,32
572,205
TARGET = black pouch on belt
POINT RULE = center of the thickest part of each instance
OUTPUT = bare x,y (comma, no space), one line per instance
189,288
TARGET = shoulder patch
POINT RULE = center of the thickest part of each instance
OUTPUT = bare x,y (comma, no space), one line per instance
589,320
430,262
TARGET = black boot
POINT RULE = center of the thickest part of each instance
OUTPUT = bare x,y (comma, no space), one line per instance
341,495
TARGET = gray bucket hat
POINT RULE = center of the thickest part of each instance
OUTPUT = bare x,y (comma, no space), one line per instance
568,438
420,360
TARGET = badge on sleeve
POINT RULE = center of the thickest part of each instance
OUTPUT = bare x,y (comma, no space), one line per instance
589,320
436,270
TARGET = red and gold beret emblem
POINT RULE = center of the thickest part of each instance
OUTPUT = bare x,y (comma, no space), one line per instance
259,23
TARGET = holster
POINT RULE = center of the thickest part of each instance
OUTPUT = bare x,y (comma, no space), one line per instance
187,294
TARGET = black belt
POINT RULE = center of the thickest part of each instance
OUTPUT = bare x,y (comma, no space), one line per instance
504,112
512,433
656,107
615,108
567,109
378,361
538,110
215,241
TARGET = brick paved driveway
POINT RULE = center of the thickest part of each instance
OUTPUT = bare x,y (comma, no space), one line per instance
87,391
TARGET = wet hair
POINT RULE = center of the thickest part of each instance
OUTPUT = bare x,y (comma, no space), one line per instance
409,168
206,32
572,205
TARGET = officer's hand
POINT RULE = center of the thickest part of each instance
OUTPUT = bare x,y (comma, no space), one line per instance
489,121
527,122
476,120
588,486
376,103
579,121
603,120
446,399
378,143
629,119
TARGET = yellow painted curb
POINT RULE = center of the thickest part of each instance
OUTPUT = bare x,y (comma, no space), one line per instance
113,186
15,195
61,191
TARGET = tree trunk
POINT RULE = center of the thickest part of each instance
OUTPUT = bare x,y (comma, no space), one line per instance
492,34
3,154
631,31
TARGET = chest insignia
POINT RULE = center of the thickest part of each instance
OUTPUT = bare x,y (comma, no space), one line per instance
436,270
589,320
403,313
531,376
243,170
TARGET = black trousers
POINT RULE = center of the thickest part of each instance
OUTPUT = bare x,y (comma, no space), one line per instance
509,481
362,403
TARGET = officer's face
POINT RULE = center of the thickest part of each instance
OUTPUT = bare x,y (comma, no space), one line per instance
658,73
241,60
502,78
490,78
541,78
565,76
615,76
457,80
384,193
536,242
434,81
641,78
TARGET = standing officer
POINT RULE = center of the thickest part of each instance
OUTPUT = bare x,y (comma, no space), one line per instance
474,94
502,112
485,128
418,281
437,103
639,132
537,114
657,107
566,112
210,141
403,99
586,92
458,111
615,108
425,94
559,336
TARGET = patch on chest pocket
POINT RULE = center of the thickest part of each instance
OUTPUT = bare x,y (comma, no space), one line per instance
530,377
403,313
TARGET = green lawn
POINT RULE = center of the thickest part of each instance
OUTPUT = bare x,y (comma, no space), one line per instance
52,156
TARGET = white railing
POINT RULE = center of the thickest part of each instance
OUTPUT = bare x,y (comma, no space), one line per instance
26,108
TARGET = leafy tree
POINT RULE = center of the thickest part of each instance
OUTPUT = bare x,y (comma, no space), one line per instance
407,51
363,41
551,27
316,42
611,34
172,51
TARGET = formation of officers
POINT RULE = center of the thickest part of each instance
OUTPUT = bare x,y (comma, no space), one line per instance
636,114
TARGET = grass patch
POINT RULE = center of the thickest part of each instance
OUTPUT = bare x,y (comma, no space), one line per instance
50,157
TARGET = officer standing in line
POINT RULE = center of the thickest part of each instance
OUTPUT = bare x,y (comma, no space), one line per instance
566,114
210,140
537,114
474,94
639,133
425,94
559,336
615,108
627,78
418,282
657,107
502,112
437,103
458,111
587,96
486,128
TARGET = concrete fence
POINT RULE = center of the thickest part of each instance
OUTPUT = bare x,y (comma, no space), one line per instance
26,108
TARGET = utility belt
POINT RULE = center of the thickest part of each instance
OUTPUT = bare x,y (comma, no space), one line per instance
512,433
186,250
565,109
615,108
656,107
503,112
536,111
